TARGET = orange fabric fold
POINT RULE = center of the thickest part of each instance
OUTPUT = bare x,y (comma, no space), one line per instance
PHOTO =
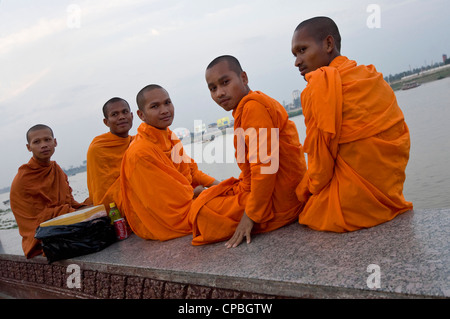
39,192
270,156
104,159
157,180
358,148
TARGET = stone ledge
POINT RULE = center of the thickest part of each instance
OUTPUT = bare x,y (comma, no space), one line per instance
412,252
32,280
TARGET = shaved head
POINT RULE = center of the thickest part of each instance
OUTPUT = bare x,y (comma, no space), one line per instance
233,63
140,99
320,28
38,127
110,101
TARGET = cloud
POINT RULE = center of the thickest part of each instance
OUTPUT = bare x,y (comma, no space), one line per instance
33,34
18,87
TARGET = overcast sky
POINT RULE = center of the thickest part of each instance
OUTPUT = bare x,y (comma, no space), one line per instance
60,61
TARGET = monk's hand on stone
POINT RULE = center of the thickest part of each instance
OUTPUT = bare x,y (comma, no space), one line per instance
244,229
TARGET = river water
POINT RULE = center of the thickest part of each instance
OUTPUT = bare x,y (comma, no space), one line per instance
427,113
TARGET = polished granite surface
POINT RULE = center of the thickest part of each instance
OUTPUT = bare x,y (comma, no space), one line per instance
411,253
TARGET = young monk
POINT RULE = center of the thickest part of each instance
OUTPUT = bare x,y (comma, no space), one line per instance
357,140
104,156
158,181
40,191
269,154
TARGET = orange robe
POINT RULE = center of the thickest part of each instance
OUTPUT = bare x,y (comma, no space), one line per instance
104,159
268,198
358,147
39,192
157,191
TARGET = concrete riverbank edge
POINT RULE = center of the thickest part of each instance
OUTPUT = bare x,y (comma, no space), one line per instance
407,257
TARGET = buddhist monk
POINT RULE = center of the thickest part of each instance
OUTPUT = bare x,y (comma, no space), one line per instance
40,191
104,156
269,155
158,180
357,140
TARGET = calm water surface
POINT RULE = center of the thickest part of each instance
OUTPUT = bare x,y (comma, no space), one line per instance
427,113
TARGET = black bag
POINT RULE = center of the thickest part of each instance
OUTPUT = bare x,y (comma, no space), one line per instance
67,241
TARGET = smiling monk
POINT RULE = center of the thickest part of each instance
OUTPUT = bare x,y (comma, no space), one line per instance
269,155
158,180
357,140
40,191
104,156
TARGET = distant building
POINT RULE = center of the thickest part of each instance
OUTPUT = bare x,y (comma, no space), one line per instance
296,99
296,102
223,123
446,60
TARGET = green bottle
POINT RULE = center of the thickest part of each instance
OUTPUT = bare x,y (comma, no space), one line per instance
114,213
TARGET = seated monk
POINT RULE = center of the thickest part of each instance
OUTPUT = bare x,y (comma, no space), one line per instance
104,156
158,181
269,154
40,191
357,140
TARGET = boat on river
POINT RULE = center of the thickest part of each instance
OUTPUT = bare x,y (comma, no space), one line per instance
410,85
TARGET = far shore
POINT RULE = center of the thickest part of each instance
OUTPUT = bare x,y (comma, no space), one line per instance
422,77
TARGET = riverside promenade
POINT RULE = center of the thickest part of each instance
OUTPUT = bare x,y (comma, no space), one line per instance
404,258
